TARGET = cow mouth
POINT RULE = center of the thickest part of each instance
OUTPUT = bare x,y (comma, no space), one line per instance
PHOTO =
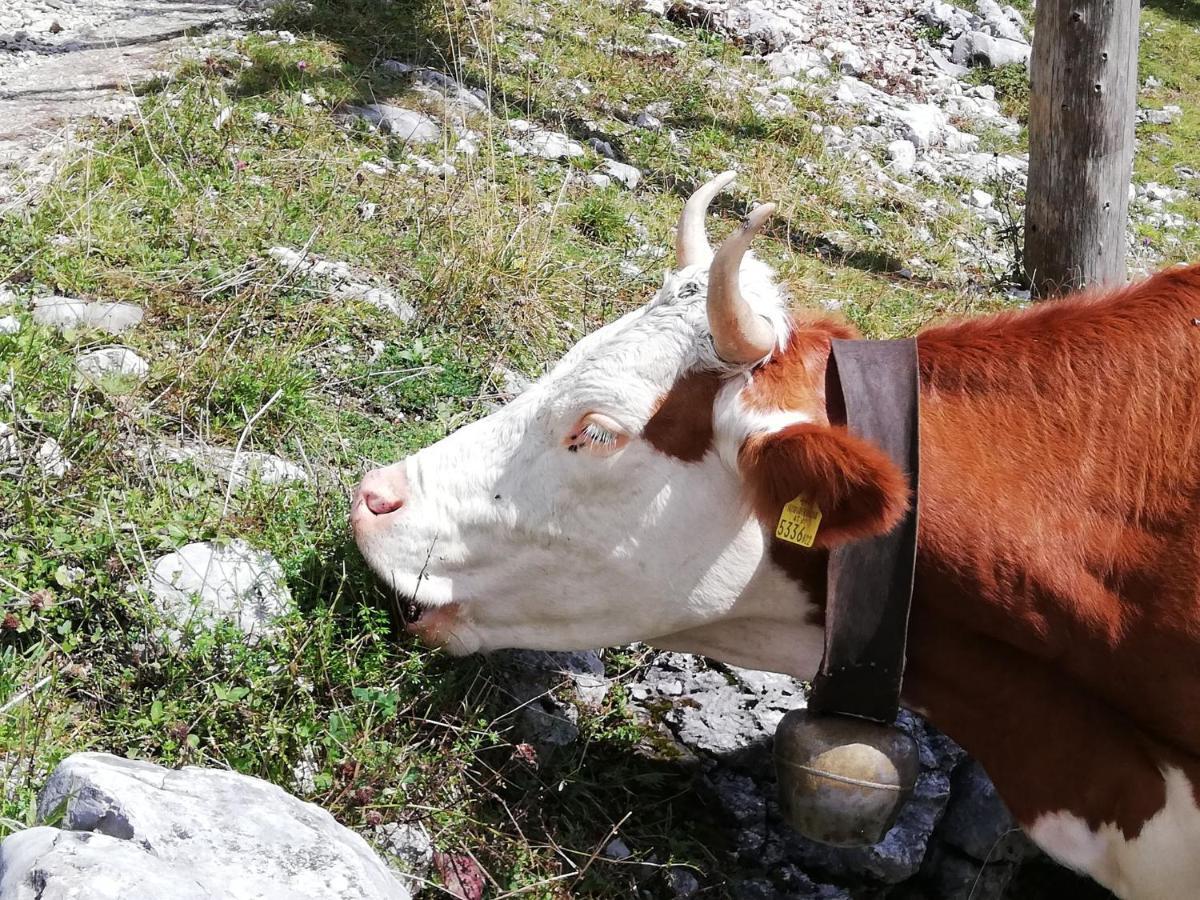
412,610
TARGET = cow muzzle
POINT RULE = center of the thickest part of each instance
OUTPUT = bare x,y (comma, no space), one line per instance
383,493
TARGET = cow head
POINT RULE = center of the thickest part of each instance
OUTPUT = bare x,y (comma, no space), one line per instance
632,493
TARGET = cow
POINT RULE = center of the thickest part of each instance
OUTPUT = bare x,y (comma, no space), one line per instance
632,494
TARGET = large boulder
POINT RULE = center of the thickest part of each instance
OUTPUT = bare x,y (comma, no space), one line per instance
136,831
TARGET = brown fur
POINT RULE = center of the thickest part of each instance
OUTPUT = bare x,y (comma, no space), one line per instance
682,426
1056,624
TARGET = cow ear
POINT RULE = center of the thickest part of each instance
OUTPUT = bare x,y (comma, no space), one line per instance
856,486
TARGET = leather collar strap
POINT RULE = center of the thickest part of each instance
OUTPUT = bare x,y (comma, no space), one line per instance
870,582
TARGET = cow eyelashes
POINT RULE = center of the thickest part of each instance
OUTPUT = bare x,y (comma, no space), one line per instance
597,435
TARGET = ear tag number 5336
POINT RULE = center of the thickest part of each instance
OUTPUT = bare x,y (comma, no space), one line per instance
798,522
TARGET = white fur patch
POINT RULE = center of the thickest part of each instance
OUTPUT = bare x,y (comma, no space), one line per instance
1161,863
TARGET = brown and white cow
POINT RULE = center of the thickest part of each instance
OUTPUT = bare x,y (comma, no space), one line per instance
632,494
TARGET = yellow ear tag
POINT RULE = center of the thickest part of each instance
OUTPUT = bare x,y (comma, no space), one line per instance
798,522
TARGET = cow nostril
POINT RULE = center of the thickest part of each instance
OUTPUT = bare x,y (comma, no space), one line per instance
382,504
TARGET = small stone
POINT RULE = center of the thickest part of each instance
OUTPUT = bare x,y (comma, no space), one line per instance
658,39
902,156
412,850
552,145
120,362
203,582
10,325
617,849
625,174
222,118
51,459
238,468
981,199
599,179
976,48
602,148
646,120
8,443
366,210
407,125
71,314
683,883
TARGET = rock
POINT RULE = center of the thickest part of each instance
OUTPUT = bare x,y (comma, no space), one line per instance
8,443
46,862
449,91
847,56
602,148
682,883
1165,116
551,145
238,468
203,582
798,60
212,833
10,325
407,125
109,362
922,123
617,849
647,120
51,459
343,282
975,48
977,822
599,179
412,848
71,314
981,199
625,174
902,156
658,39
532,677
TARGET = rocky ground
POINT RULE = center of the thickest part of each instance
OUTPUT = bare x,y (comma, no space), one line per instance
62,60
306,247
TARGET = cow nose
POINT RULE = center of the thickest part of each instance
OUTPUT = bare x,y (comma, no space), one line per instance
384,490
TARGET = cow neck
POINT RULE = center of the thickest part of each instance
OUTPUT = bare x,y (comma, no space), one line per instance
872,388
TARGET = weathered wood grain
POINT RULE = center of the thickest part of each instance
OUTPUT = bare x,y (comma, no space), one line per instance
1083,77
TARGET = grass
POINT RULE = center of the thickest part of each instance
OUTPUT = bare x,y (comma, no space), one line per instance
506,261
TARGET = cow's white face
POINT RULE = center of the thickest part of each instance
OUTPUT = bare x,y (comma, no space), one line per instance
631,493
565,519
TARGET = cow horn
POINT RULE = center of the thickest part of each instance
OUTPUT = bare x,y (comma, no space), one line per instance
691,243
739,335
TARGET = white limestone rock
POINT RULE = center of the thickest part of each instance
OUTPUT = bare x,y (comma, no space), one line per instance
626,174
8,443
51,459
407,125
342,281
108,362
976,48
46,862
902,156
72,314
10,325
204,582
237,468
135,831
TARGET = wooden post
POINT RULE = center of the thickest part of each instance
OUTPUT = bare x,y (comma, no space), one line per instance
1083,76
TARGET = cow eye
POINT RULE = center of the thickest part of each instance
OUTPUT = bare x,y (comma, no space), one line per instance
596,434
